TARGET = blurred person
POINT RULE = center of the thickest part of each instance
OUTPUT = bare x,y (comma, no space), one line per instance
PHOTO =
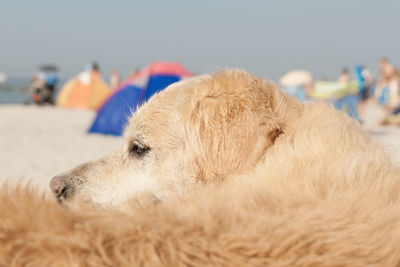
92,67
365,80
89,69
387,71
37,83
50,86
114,80
42,88
387,91
95,67
344,76
387,74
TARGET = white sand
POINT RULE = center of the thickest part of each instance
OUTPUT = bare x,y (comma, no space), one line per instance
37,143
389,136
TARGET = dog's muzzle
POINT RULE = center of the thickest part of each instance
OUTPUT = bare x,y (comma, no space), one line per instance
62,189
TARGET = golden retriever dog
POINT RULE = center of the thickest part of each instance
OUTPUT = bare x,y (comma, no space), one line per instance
197,131
217,170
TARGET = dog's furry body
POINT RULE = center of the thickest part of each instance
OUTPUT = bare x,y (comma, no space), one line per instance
315,191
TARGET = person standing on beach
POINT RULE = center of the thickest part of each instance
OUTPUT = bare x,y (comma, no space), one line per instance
387,91
114,80
344,76
365,80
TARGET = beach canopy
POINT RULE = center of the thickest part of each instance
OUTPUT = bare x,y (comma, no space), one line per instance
87,90
136,89
48,68
296,78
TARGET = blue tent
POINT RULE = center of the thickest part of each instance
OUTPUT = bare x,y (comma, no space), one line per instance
113,116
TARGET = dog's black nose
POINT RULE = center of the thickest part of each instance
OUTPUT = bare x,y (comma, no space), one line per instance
62,189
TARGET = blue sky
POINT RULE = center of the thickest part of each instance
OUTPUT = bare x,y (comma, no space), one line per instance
265,37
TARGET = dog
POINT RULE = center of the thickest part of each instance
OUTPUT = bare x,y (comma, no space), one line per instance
196,131
238,173
208,128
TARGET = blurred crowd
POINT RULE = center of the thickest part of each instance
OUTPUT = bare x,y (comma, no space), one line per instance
381,89
44,82
352,91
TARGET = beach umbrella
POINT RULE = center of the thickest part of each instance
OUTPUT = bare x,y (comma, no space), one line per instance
295,78
136,89
87,90
295,83
48,68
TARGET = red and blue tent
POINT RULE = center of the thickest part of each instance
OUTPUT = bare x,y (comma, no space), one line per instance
138,88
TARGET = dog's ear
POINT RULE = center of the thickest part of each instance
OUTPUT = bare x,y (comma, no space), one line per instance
231,122
271,123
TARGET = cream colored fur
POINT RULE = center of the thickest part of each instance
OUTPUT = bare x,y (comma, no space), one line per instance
246,175
198,131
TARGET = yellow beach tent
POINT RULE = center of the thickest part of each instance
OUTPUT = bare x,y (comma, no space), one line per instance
87,90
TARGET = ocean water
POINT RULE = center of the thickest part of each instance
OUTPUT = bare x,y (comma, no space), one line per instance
13,97
14,91
11,91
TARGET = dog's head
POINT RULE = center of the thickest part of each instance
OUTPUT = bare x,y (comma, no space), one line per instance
196,131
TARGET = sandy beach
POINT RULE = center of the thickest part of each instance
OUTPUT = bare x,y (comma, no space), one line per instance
38,143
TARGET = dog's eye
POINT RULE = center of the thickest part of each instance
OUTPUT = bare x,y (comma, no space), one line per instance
138,149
